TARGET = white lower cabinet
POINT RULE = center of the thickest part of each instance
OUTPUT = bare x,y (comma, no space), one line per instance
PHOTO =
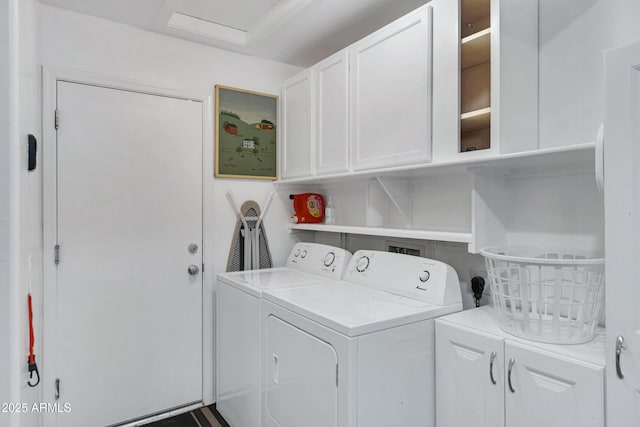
549,390
465,391
485,377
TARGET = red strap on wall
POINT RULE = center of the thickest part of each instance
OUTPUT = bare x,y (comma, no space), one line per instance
32,357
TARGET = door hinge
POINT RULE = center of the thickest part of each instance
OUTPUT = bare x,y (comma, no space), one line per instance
203,267
56,254
56,119
336,375
57,392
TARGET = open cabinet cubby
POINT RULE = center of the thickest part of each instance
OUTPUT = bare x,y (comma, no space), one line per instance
475,75
542,197
433,208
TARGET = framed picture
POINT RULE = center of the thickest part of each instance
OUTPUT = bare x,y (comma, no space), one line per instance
246,134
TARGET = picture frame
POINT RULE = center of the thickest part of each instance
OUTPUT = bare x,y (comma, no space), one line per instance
246,134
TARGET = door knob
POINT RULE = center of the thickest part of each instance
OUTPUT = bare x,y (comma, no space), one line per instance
193,270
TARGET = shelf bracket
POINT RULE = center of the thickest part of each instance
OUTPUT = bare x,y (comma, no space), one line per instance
397,190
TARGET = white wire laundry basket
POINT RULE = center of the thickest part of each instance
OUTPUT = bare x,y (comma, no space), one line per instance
546,294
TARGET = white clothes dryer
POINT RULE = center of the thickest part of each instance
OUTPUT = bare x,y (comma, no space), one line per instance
238,323
360,351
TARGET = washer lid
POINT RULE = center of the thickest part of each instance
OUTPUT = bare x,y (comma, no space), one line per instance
354,309
256,281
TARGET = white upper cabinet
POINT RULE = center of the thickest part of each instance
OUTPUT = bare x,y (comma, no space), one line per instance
498,79
332,115
391,94
297,126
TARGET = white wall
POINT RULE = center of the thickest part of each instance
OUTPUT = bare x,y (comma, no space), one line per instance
73,41
30,196
4,209
573,36
10,147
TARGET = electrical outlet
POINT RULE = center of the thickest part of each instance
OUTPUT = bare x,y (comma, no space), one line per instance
485,276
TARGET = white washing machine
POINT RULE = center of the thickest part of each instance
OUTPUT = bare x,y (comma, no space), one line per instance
358,352
238,323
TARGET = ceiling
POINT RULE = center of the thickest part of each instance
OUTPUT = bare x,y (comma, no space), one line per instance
299,32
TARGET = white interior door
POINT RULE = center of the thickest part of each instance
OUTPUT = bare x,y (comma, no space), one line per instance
622,231
302,383
129,194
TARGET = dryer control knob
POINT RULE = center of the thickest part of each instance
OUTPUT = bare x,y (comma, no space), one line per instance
329,259
297,253
303,254
424,276
363,264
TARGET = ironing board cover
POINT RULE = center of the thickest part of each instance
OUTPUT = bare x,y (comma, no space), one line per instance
249,209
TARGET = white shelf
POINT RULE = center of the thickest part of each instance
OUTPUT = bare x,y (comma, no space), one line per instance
442,236
476,48
475,120
579,157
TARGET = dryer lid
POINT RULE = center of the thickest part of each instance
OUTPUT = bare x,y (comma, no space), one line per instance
256,281
354,309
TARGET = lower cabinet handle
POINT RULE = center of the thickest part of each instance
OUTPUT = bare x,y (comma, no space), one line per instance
512,362
276,368
493,359
619,347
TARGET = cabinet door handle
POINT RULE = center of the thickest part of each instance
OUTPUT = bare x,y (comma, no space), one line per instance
276,368
619,347
493,359
512,362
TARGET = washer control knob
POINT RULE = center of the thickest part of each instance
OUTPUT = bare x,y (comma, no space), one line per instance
424,276
303,254
362,264
297,253
329,259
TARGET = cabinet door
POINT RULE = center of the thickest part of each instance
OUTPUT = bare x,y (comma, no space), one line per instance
297,126
391,94
551,391
622,231
332,130
465,391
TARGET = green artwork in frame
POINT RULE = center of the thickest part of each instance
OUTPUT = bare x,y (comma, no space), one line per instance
246,134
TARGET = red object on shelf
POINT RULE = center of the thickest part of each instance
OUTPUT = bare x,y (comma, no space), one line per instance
309,208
